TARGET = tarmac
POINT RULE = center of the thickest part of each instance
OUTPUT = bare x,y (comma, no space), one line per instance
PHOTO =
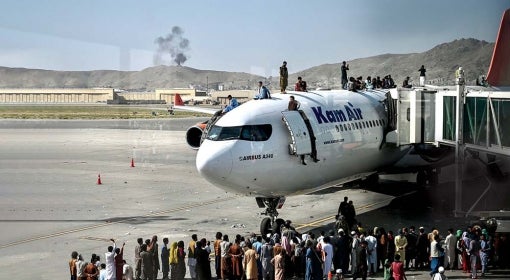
51,203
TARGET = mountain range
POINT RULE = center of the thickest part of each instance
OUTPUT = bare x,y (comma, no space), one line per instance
441,62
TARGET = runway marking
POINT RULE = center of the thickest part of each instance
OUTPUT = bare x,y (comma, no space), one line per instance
324,219
108,223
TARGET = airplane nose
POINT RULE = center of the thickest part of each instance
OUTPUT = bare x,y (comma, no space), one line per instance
214,162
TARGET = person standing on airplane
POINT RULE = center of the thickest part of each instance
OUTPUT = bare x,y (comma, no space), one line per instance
344,69
263,92
422,75
284,77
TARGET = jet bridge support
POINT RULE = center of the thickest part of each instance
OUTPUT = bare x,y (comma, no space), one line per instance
476,120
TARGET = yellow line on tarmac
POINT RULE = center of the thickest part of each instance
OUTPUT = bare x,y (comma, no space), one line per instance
315,222
108,223
322,220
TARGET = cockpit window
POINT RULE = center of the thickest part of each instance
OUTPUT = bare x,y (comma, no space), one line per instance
260,132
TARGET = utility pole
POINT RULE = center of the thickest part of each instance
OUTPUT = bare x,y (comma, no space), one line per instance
459,140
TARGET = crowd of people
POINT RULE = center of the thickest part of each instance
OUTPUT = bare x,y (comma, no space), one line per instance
350,83
287,254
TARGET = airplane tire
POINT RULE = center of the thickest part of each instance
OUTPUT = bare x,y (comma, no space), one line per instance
371,182
433,178
277,225
421,179
265,226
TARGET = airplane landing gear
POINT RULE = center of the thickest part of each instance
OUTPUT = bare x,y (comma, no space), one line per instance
270,224
424,177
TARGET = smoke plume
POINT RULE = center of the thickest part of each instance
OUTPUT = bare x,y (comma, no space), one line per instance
173,44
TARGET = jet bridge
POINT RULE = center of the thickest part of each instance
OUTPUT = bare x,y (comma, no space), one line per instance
473,120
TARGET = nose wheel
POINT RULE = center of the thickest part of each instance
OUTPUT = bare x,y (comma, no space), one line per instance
270,224
266,226
424,177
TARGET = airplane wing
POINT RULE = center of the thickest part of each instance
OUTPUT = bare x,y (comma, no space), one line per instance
179,105
210,111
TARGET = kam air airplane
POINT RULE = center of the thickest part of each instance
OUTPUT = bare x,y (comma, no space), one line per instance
257,148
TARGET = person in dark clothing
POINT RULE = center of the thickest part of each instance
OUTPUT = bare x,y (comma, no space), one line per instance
412,239
284,77
203,267
382,246
350,214
406,84
343,254
313,262
362,270
342,208
344,69
391,246
165,254
422,75
422,245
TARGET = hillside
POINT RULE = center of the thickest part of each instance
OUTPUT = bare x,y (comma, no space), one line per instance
441,61
145,80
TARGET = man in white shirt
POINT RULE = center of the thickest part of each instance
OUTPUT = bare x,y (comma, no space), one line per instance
451,244
110,262
440,274
372,253
102,272
80,266
327,251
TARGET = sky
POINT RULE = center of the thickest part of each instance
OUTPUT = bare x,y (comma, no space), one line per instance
232,35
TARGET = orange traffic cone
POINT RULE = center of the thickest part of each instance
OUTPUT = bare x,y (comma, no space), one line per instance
99,179
132,162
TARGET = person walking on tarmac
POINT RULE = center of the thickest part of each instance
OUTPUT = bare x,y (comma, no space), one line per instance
342,209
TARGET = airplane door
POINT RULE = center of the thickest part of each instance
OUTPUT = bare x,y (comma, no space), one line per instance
299,133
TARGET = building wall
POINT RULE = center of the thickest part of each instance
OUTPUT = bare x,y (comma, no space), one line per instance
168,94
240,95
84,95
138,95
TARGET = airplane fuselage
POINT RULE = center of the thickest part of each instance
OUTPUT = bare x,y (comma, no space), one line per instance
247,150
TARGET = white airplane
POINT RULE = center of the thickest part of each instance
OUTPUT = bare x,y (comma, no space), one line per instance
257,149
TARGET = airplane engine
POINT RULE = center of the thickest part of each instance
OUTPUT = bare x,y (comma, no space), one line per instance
194,135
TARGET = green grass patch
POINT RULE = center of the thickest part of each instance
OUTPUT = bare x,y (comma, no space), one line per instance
72,112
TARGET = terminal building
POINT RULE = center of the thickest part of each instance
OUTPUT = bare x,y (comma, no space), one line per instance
56,95
95,95
113,96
